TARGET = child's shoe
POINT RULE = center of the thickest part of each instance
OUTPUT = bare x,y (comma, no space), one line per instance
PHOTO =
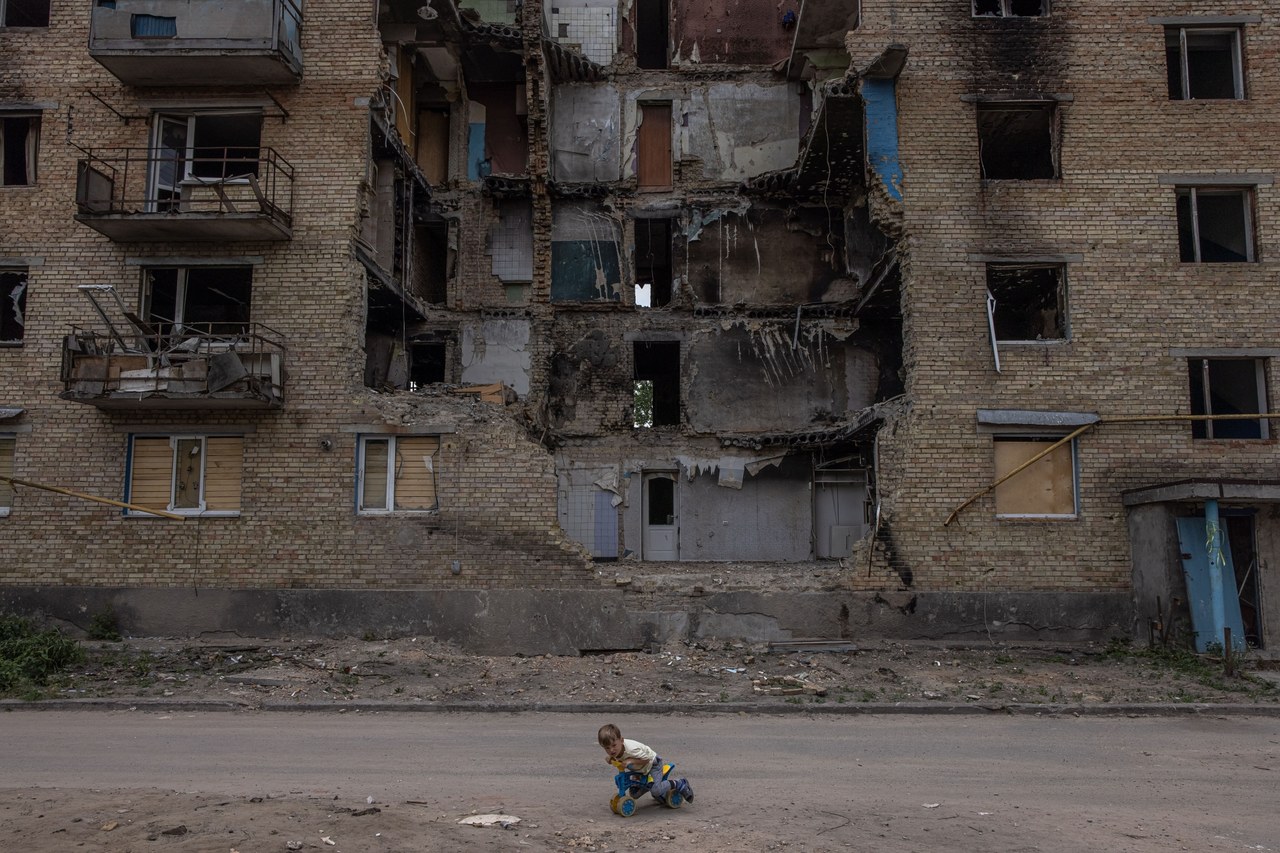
686,790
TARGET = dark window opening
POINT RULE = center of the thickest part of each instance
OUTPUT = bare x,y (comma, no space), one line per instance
24,13
1239,527
653,262
652,23
657,367
662,500
197,300
433,246
426,364
1203,64
1029,302
153,27
19,139
1016,141
13,306
1228,386
1010,8
203,147
1214,225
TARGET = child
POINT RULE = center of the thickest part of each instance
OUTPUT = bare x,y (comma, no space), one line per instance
631,756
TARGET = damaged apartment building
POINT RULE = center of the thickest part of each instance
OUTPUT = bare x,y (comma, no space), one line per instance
675,319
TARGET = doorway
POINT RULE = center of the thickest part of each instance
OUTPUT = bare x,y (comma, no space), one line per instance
839,511
658,540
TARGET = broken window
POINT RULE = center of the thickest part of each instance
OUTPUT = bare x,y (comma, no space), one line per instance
1017,141
397,473
1044,489
1027,302
1215,224
197,300
6,470
652,22
511,242
1010,8
585,261
187,474
13,306
191,150
653,262
1228,386
1204,63
653,147
24,13
656,398
19,146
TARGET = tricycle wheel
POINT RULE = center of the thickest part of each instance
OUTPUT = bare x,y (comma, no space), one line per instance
613,803
626,806
674,800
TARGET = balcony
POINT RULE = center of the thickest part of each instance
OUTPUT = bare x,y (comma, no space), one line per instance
206,195
198,42
237,367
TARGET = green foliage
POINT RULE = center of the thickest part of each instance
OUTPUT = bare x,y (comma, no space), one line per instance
29,657
642,403
105,625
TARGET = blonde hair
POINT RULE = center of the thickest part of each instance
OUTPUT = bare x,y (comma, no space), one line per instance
608,734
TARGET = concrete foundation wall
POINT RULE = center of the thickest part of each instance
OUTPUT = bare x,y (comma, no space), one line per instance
571,622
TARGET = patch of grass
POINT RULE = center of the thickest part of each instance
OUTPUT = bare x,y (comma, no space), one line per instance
105,625
29,657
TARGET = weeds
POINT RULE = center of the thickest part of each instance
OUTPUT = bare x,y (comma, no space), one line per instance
28,658
105,625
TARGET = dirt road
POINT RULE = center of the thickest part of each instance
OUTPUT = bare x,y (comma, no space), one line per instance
400,782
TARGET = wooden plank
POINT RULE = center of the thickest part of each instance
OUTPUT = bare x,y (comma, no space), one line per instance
1046,487
151,473
653,147
223,473
415,486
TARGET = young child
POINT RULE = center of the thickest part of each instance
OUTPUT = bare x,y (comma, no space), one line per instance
634,757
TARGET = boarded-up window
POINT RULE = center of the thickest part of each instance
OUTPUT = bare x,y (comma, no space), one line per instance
398,474
1044,489
6,470
187,474
653,147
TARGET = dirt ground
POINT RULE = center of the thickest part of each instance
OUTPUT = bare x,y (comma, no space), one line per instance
255,673
416,670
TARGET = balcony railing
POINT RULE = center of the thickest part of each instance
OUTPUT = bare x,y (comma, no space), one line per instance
219,194
203,366
198,42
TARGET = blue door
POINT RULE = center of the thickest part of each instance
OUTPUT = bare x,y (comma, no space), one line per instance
1193,539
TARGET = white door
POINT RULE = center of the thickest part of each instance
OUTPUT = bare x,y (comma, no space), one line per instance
659,537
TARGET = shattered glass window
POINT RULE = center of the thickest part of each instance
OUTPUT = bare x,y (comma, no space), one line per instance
1030,302
13,306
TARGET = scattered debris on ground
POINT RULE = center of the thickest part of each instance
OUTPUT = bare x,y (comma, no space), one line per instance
419,670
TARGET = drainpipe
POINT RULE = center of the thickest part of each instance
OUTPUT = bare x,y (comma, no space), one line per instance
1213,544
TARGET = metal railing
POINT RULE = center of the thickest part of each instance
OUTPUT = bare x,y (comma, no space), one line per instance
189,360
162,180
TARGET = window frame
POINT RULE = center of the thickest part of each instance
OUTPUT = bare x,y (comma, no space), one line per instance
175,439
1063,300
180,323
187,164
4,14
361,473
1006,6
1205,405
35,122
1051,106
1248,200
24,273
1038,437
1237,57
